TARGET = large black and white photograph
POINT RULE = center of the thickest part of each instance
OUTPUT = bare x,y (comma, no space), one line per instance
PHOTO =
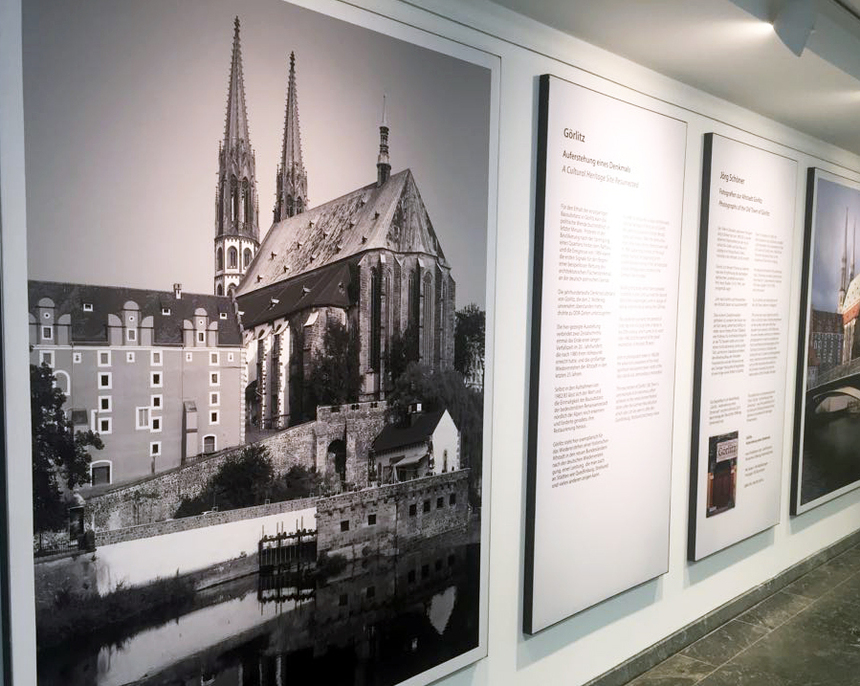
258,289
827,428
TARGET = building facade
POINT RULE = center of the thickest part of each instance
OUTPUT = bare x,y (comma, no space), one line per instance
157,374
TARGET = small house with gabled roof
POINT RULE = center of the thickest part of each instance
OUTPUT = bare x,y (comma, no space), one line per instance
427,443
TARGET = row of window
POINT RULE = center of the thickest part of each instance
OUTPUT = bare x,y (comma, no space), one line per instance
232,258
144,417
101,470
427,505
155,357
413,510
156,380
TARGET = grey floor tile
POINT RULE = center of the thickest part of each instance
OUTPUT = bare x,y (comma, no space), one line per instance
822,579
831,617
732,674
776,610
724,643
678,670
800,655
849,591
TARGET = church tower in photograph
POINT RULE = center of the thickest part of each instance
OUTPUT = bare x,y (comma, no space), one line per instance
237,228
292,179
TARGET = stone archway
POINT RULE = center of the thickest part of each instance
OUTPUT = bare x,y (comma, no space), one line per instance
336,459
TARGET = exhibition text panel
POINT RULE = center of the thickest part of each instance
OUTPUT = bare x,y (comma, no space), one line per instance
603,370
747,227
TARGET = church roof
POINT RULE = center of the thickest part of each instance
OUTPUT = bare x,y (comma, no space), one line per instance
91,327
330,285
390,217
852,296
394,436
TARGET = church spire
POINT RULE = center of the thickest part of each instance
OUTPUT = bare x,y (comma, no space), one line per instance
237,232
383,165
292,179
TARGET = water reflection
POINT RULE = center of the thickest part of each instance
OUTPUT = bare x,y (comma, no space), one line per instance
378,622
831,455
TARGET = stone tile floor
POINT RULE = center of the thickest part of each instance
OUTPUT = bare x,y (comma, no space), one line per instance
807,634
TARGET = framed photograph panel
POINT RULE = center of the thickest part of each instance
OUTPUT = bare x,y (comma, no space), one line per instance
260,258
604,316
747,225
826,457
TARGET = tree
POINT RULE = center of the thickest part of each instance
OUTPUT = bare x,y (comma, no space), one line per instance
61,458
243,480
404,349
335,378
469,335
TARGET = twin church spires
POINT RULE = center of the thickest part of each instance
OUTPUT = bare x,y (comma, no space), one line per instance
237,228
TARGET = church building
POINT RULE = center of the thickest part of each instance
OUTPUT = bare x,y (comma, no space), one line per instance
369,260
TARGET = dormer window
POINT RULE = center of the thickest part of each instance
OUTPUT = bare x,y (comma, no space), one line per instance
88,307
222,315
165,311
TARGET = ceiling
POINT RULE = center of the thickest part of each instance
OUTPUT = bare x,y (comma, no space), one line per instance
729,48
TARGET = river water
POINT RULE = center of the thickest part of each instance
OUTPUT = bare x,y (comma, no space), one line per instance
378,622
831,454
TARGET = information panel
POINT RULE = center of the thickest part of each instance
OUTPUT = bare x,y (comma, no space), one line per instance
607,245
747,224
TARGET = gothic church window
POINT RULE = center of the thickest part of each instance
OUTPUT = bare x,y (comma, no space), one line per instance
246,258
427,323
219,259
375,319
219,289
234,198
246,201
232,258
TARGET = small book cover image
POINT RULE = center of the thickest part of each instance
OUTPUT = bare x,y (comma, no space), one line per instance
722,472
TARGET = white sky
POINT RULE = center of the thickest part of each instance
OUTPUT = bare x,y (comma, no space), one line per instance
833,201
124,108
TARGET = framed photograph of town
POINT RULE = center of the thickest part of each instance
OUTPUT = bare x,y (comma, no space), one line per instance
826,457
260,240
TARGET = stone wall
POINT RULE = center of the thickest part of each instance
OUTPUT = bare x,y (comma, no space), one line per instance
156,498
382,520
172,526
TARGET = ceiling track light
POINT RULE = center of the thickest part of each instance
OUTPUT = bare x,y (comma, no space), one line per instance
794,23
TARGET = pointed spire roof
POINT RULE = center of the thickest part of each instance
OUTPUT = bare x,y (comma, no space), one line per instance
236,124
291,183
291,151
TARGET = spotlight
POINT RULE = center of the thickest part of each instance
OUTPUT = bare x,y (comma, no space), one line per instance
794,23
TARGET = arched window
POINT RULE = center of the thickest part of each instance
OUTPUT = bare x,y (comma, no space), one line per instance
232,258
375,319
219,260
231,289
290,208
246,258
100,472
427,320
234,198
209,444
246,201
337,458
219,289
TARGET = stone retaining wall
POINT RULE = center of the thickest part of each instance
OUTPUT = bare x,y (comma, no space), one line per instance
384,519
156,498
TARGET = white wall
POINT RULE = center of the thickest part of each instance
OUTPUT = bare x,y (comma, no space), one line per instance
142,560
586,645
